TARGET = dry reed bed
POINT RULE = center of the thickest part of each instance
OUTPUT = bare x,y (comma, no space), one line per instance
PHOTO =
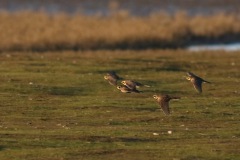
39,31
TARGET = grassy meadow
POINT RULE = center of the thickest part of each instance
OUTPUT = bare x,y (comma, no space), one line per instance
57,105
39,31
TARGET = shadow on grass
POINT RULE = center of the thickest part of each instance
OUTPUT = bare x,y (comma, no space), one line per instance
193,158
66,91
137,60
115,139
36,64
83,138
173,69
2,147
99,151
52,90
169,92
146,119
150,83
153,109
43,108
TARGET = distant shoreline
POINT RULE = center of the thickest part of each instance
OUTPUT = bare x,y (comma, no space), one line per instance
134,7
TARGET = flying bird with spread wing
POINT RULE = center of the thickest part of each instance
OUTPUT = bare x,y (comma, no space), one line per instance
163,101
196,81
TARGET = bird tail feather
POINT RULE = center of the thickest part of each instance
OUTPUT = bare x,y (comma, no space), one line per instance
207,82
175,98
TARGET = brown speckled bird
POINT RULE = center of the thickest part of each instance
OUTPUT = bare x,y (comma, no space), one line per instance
196,81
125,89
112,78
133,84
163,101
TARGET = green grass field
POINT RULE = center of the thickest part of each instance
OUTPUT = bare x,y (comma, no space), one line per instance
57,105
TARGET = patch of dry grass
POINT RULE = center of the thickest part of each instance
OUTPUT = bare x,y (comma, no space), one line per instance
39,31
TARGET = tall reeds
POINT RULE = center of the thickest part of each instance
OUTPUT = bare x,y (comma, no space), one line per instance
39,31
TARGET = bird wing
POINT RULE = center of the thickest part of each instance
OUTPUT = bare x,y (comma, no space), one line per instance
140,84
136,91
165,106
120,78
197,83
111,73
137,83
190,74
112,81
131,85
206,81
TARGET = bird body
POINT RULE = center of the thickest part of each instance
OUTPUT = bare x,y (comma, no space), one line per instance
125,89
196,81
163,101
132,84
112,78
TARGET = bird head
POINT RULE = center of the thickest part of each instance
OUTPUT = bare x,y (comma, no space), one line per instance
123,82
105,77
155,96
118,87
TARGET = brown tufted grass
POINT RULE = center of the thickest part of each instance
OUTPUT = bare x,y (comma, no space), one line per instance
39,31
